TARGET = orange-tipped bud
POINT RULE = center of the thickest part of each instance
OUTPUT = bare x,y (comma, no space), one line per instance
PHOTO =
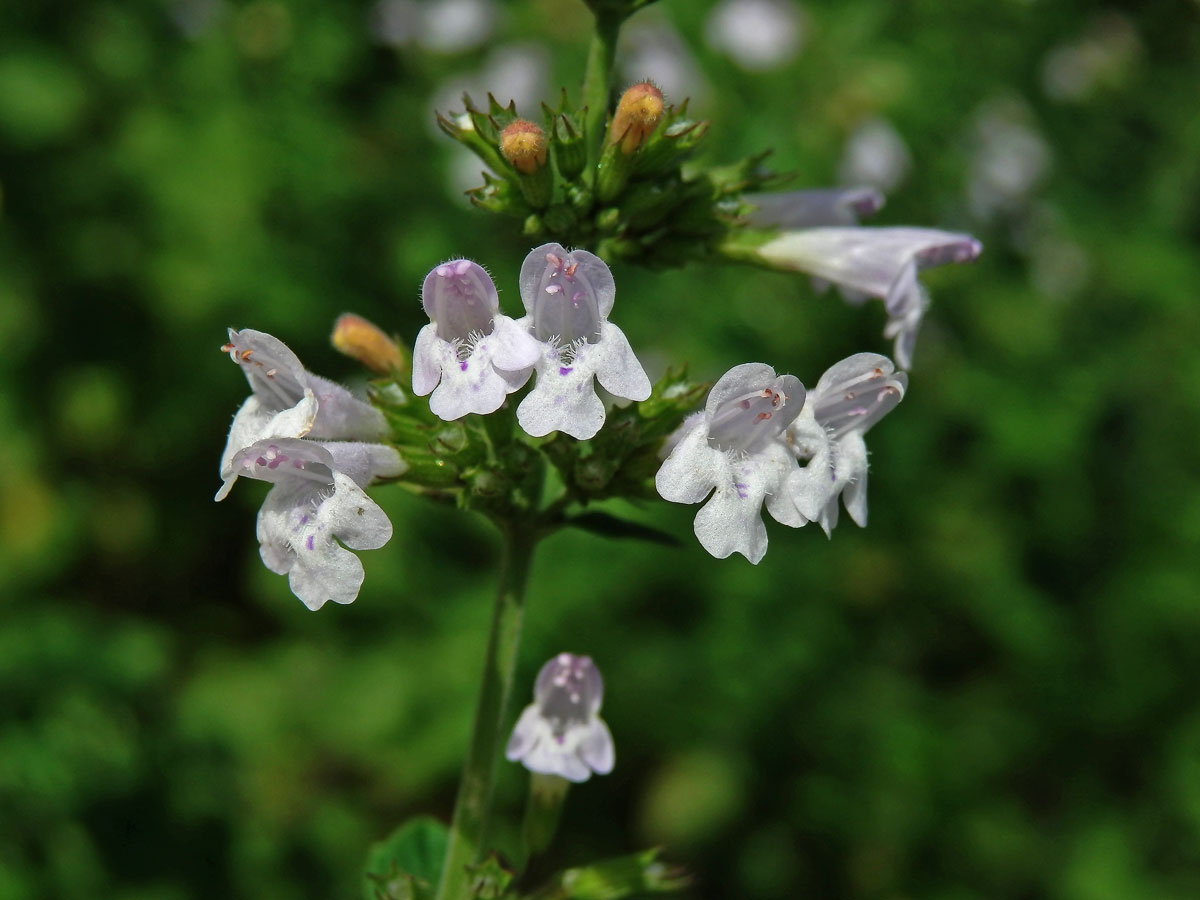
637,115
524,146
359,339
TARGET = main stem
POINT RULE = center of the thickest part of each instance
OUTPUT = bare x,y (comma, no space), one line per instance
597,82
473,806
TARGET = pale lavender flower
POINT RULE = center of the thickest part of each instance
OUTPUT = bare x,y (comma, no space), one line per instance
317,496
561,733
735,450
470,355
317,500
874,262
851,396
568,296
288,401
813,208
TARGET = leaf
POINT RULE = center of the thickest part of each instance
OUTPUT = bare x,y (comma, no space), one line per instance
407,864
610,526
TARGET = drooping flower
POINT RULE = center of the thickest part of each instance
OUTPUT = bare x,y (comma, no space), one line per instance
288,401
874,262
469,356
317,496
851,396
568,296
734,449
561,733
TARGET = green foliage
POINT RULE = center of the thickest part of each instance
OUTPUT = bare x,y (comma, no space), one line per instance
989,693
407,864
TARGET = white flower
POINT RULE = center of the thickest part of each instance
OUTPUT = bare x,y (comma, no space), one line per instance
288,401
756,34
469,355
561,733
851,396
874,262
317,497
568,296
318,500
734,449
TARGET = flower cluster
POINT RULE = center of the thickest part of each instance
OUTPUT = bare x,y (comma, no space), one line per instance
319,447
748,445
471,356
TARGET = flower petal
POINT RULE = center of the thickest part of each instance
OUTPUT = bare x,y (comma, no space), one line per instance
731,522
814,208
563,399
596,748
513,347
592,269
693,469
274,372
299,528
525,734
616,367
856,393
427,358
738,380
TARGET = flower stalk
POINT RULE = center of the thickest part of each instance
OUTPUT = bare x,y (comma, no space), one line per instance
472,809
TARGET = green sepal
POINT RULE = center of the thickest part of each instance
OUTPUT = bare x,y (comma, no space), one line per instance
744,176
500,195
489,879
612,171
638,873
486,150
407,864
568,139
675,140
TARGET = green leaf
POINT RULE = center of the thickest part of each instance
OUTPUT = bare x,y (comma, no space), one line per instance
610,526
407,864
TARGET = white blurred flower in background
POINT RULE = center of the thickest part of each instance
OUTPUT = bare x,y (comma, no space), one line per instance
756,34
1009,158
441,26
653,51
875,155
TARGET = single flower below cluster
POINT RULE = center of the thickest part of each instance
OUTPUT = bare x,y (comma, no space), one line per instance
561,732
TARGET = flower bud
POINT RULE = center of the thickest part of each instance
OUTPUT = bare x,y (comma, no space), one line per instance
524,146
359,339
638,114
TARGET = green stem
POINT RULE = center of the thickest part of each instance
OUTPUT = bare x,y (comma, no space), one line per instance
473,806
597,84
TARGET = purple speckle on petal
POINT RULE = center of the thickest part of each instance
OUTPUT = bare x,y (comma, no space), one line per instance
308,543
304,519
463,365
564,370
741,490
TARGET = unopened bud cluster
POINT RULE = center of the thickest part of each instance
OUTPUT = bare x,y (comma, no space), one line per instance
613,190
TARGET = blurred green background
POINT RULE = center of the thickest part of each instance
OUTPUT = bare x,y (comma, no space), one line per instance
992,692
